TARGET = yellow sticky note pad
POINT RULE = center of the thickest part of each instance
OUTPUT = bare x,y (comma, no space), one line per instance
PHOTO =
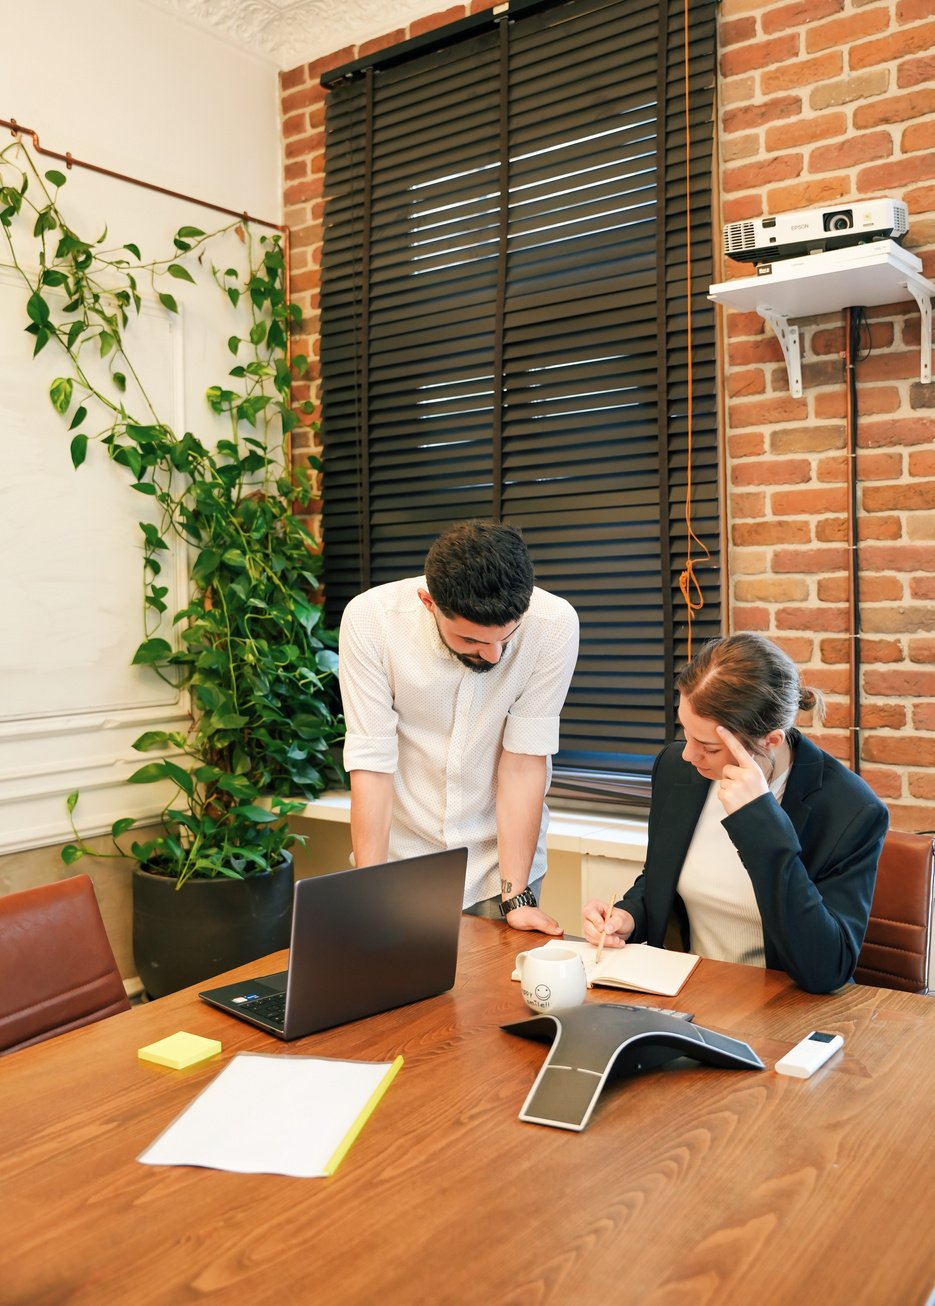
180,1050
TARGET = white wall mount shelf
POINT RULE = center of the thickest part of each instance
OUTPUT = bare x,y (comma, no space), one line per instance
881,272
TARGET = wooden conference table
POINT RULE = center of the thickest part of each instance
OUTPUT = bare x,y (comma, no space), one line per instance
690,1185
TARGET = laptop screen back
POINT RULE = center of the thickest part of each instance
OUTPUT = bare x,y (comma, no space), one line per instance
370,939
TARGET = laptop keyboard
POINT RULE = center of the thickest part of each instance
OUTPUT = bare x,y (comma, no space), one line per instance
271,1008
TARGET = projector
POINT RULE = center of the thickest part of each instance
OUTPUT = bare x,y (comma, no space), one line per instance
809,231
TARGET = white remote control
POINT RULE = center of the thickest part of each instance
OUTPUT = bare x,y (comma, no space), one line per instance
809,1055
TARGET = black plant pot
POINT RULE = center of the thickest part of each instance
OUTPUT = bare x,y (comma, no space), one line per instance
183,936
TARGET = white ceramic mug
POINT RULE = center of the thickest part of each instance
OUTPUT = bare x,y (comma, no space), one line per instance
551,977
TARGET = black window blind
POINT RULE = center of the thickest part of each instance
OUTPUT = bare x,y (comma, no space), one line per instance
505,331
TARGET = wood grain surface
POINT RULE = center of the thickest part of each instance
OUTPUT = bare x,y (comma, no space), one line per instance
690,1185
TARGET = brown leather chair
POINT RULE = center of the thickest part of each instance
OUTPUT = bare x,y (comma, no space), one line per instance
896,949
57,968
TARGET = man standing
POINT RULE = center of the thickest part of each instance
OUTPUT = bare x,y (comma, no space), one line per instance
452,685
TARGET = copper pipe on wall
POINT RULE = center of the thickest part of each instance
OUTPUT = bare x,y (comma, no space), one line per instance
16,129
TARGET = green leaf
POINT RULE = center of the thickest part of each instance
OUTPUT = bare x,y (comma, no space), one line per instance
71,802
204,566
180,273
190,233
60,393
147,774
233,343
79,415
122,825
127,456
52,277
79,449
55,177
119,380
229,721
106,341
45,221
42,338
151,652
168,302
37,309
71,853
134,250
254,813
144,487
326,660
157,739
153,539
233,294
180,776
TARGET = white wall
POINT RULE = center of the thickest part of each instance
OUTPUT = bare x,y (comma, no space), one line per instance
131,88
125,86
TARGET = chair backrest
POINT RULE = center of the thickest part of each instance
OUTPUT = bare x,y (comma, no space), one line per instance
57,968
895,954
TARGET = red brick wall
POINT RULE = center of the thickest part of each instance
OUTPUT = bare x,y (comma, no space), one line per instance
820,101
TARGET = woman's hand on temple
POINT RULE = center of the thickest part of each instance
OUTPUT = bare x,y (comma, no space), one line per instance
741,780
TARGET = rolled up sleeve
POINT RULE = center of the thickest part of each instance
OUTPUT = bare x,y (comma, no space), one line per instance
371,742
532,724
370,753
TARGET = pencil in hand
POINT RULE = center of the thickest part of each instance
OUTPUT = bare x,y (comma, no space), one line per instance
600,943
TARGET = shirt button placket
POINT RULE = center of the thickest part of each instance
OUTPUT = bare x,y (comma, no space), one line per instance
454,795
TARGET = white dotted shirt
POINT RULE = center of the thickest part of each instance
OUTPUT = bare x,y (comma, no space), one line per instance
415,711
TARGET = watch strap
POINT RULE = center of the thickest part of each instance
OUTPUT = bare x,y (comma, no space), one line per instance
525,899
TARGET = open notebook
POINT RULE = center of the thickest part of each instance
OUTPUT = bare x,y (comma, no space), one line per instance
638,966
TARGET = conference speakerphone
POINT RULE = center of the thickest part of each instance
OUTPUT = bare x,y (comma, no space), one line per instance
592,1041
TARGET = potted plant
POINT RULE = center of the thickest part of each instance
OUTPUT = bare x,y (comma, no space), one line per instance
254,655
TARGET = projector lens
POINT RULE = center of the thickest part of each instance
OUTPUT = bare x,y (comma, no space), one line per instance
842,220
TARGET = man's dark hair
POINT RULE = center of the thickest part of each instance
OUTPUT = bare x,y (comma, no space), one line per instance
481,571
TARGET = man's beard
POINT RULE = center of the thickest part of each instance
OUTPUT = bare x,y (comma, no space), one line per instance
472,660
475,663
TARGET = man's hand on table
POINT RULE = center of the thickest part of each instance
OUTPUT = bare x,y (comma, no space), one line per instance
532,918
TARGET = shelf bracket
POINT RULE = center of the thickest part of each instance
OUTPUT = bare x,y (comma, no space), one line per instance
787,333
923,299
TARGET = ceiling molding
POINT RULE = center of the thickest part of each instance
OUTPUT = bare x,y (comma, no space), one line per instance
290,32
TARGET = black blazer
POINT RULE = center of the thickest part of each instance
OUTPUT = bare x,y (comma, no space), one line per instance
812,861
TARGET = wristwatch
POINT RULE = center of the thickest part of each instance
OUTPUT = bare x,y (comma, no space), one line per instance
525,899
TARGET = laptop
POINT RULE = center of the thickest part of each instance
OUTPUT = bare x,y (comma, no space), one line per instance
363,940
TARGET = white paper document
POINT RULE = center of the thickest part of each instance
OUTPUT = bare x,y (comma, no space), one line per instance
275,1115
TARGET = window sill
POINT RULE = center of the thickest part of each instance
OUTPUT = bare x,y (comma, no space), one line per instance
572,832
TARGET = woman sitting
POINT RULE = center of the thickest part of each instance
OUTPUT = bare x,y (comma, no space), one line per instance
764,846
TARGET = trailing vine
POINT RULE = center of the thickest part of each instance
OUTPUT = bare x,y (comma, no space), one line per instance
253,652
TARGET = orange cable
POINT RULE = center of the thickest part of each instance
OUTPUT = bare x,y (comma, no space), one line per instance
688,581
